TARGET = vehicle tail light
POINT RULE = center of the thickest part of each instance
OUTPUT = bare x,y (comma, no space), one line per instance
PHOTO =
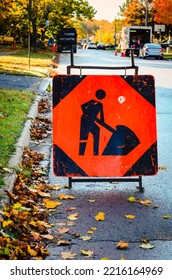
147,49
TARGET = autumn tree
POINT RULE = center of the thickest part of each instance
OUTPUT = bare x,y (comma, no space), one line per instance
134,12
5,18
163,11
58,14
86,28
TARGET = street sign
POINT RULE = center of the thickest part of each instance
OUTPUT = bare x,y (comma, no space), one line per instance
159,27
67,36
104,125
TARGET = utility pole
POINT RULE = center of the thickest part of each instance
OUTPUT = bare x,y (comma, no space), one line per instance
29,24
146,12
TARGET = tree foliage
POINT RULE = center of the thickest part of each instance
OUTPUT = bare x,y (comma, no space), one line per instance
46,16
163,11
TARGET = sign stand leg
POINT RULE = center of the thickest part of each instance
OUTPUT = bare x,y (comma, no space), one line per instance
110,180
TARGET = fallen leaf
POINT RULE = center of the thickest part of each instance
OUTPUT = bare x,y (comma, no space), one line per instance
68,255
86,253
17,205
32,252
65,196
144,240
47,236
7,170
145,202
100,216
130,217
7,223
91,200
75,234
36,235
63,242
85,238
93,228
73,217
70,223
89,232
43,223
122,245
63,230
43,194
50,204
146,246
33,223
131,199
105,259
163,167
56,187
70,208
167,216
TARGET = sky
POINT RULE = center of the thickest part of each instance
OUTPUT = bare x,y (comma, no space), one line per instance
106,9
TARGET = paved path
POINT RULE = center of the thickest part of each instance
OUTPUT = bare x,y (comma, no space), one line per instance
19,82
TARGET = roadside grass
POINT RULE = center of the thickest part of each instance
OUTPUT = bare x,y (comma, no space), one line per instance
168,55
14,107
17,61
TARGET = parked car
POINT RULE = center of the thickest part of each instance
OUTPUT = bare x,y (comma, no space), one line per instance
166,44
151,50
100,46
91,45
110,46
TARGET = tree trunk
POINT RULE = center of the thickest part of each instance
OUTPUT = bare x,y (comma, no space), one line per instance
34,34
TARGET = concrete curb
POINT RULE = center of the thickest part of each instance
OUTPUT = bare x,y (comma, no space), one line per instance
23,141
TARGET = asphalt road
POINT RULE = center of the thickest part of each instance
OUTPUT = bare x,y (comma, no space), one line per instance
112,198
19,82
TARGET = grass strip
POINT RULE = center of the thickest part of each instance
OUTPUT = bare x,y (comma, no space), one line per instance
18,62
14,107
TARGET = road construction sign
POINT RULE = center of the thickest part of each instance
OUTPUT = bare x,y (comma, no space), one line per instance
104,125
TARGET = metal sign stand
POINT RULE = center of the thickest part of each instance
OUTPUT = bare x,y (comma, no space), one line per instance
98,179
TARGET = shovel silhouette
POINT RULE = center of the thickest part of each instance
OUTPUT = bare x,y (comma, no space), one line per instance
122,141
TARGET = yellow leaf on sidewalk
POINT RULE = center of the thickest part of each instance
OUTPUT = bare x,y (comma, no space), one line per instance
122,245
68,255
47,236
65,196
167,216
145,202
85,237
50,204
86,253
73,217
43,194
130,217
131,199
146,246
63,230
100,216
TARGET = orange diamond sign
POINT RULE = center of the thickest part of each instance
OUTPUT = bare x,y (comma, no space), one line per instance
104,125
